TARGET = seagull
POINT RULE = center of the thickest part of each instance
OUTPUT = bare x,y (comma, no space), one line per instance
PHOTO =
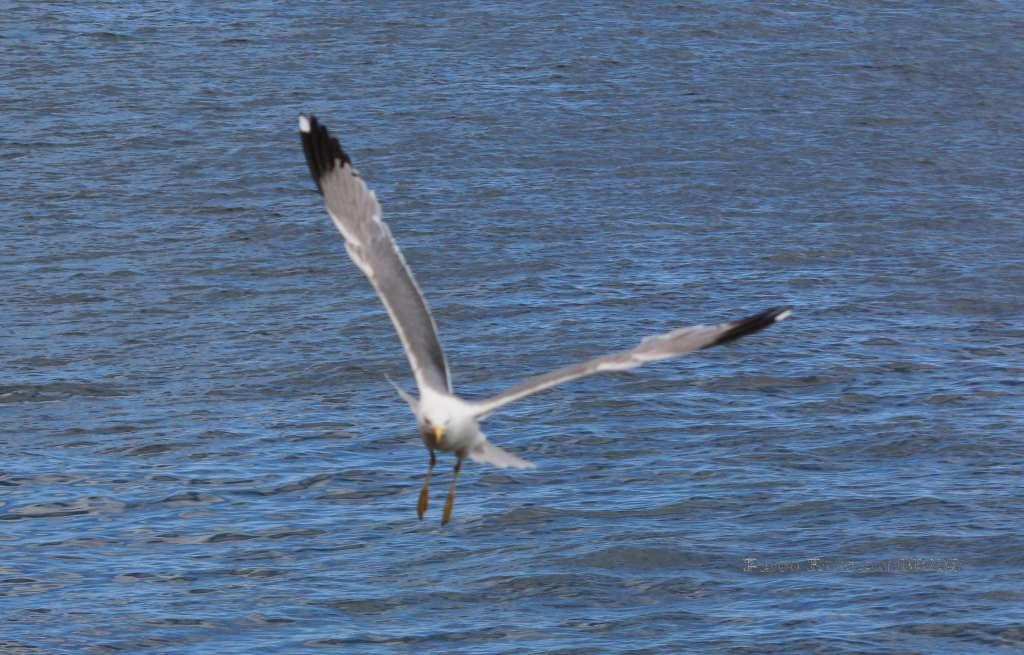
448,422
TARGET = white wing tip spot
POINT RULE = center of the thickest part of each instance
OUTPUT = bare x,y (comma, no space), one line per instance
784,315
304,124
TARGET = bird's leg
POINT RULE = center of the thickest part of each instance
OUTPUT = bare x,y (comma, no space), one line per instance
421,506
451,490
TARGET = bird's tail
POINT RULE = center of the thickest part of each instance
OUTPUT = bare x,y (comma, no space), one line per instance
491,454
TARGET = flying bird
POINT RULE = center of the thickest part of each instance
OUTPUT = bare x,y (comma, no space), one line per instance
446,421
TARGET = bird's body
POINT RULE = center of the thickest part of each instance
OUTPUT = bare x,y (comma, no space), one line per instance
445,421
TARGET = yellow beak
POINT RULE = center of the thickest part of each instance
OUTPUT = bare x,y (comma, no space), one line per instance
438,434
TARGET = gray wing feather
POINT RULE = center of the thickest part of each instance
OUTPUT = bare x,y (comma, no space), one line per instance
663,346
357,215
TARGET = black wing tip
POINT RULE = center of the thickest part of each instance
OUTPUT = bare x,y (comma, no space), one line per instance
323,152
752,324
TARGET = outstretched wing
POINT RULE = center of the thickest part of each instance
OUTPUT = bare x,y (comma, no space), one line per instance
663,346
369,243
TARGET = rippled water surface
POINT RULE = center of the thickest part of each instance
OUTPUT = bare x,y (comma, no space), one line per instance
201,453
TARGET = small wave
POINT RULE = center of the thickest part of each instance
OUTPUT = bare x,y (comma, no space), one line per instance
629,558
18,648
58,390
190,498
993,635
294,485
149,450
48,510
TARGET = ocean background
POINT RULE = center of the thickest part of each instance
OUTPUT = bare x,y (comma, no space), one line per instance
200,451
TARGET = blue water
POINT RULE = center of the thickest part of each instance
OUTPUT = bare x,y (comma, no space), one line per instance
201,453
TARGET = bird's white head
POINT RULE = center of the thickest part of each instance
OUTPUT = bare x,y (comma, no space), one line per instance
434,428
445,421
